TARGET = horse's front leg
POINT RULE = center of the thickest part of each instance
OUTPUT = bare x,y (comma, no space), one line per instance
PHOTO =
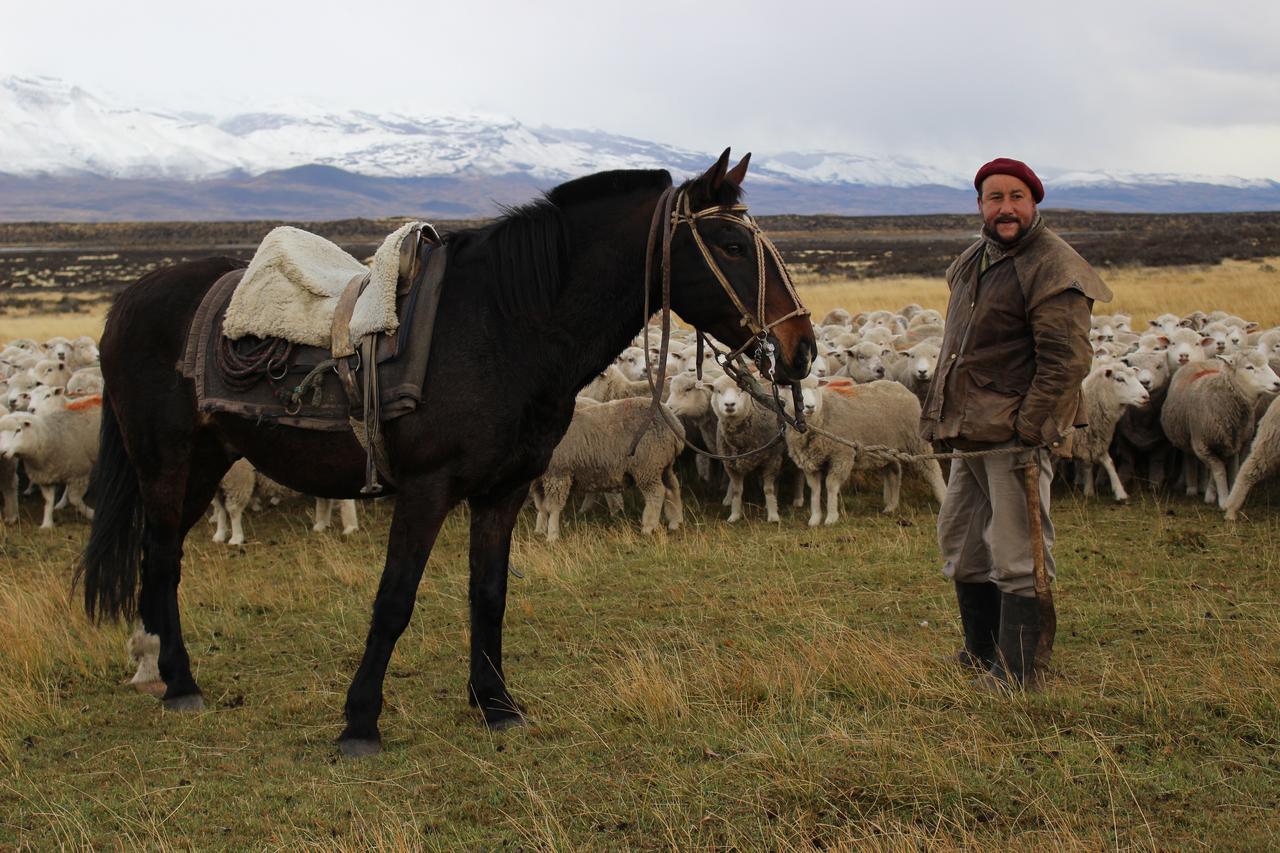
491,522
420,510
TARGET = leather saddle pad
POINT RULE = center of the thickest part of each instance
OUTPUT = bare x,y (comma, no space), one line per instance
402,359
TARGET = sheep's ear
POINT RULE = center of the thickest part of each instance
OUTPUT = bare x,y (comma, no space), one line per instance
1250,327
1164,339
1153,324
1228,359
1208,342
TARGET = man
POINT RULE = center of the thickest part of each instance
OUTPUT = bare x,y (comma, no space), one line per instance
1015,351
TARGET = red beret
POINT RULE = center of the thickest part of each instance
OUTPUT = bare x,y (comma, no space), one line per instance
1016,168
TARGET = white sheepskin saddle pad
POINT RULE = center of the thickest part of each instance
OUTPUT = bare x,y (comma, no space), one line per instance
293,283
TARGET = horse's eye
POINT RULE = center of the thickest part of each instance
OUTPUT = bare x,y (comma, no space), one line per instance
734,250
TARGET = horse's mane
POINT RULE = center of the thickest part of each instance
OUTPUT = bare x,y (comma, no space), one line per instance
527,247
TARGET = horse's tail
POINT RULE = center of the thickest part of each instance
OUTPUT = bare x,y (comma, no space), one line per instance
109,565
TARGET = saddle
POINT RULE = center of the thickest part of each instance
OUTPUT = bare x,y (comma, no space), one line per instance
354,382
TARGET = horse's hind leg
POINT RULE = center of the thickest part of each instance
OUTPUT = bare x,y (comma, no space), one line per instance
491,524
175,497
420,510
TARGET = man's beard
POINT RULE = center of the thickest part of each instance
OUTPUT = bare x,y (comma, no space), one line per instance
995,234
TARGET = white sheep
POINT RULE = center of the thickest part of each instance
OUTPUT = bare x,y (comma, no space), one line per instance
924,317
690,400
613,384
1262,462
52,373
741,427
878,413
1209,413
243,487
595,455
1187,346
8,474
1108,391
914,368
18,396
631,362
59,447
85,382
864,362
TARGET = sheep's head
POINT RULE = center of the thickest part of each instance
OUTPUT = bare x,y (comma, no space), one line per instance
1152,369
632,363
1252,372
729,401
924,360
1269,345
1187,346
865,362
1129,390
20,431
690,397
45,398
51,372
820,369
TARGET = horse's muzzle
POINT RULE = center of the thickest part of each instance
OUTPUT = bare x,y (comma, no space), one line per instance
794,365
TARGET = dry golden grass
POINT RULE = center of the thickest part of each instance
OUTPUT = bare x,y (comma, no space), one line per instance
20,321
754,686
1250,289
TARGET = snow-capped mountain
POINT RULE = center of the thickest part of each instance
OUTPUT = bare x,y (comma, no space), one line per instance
68,153
50,127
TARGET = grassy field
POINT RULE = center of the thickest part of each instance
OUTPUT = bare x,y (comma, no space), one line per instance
752,686
1250,289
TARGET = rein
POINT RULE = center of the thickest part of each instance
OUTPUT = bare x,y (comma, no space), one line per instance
673,210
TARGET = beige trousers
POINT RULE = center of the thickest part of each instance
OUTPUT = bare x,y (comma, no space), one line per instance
982,526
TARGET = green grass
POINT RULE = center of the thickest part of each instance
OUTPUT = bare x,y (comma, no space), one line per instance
748,686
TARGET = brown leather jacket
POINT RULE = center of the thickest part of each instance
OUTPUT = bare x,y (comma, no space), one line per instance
1016,345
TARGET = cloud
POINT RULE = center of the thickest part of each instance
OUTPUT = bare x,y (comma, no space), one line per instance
1144,86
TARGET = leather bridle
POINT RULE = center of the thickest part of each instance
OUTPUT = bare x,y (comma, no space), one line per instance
673,210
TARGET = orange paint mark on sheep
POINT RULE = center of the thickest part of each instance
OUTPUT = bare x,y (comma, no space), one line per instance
93,401
841,386
1200,374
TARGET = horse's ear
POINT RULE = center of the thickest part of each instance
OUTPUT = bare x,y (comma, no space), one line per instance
738,173
715,175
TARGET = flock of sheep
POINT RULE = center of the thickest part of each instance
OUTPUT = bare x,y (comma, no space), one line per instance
1183,402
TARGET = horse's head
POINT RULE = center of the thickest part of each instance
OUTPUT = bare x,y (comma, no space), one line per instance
728,280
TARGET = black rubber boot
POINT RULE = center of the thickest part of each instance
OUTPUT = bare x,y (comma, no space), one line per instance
980,618
1015,664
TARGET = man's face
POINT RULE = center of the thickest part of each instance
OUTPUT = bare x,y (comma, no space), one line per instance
1006,206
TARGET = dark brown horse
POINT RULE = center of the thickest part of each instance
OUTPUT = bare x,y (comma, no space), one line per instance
532,308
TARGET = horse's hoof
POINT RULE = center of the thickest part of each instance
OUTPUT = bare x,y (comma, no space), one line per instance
510,721
358,747
190,702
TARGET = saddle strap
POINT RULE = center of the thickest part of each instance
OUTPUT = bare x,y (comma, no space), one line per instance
340,333
375,448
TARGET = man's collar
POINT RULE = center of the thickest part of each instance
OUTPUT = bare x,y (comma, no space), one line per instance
997,250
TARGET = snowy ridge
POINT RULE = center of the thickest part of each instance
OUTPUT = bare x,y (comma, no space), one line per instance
49,127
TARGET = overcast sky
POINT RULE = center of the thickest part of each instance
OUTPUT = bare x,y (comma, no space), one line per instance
1139,86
